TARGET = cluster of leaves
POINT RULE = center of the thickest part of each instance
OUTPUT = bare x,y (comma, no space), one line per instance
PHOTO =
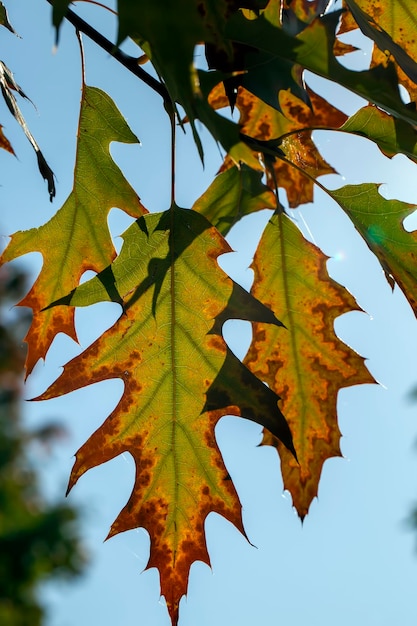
167,346
38,541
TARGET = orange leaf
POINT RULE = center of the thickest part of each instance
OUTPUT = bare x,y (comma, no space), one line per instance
179,379
305,364
260,121
305,10
4,142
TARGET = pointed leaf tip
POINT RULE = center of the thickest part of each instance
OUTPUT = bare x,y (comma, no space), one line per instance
59,11
47,174
4,19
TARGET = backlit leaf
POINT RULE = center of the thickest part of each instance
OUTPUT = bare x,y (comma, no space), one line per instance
260,121
4,142
223,130
234,193
304,363
391,135
179,379
77,238
399,23
378,85
266,75
380,222
383,40
182,25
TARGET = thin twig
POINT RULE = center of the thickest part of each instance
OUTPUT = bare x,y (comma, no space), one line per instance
98,4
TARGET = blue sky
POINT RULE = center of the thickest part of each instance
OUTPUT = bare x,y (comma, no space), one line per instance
354,560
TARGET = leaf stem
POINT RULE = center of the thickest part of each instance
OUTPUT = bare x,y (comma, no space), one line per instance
98,4
306,129
124,59
171,113
307,175
80,42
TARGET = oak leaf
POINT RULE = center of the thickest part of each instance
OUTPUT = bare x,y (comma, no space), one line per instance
304,363
380,222
234,193
391,136
179,379
77,238
378,84
394,32
292,126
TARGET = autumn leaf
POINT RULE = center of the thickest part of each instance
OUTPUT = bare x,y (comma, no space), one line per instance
394,32
299,149
292,129
391,135
183,24
304,363
234,193
380,223
77,238
4,142
304,10
383,40
179,378
378,84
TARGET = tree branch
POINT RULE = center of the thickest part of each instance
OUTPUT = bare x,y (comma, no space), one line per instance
127,61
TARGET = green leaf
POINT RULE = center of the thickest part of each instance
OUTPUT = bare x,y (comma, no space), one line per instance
223,130
169,33
313,50
380,223
179,379
266,75
77,237
58,13
233,194
392,135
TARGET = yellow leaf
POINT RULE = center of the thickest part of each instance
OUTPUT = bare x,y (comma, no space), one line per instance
305,363
398,19
77,237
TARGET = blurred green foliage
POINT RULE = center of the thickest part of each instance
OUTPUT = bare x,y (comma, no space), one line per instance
38,540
